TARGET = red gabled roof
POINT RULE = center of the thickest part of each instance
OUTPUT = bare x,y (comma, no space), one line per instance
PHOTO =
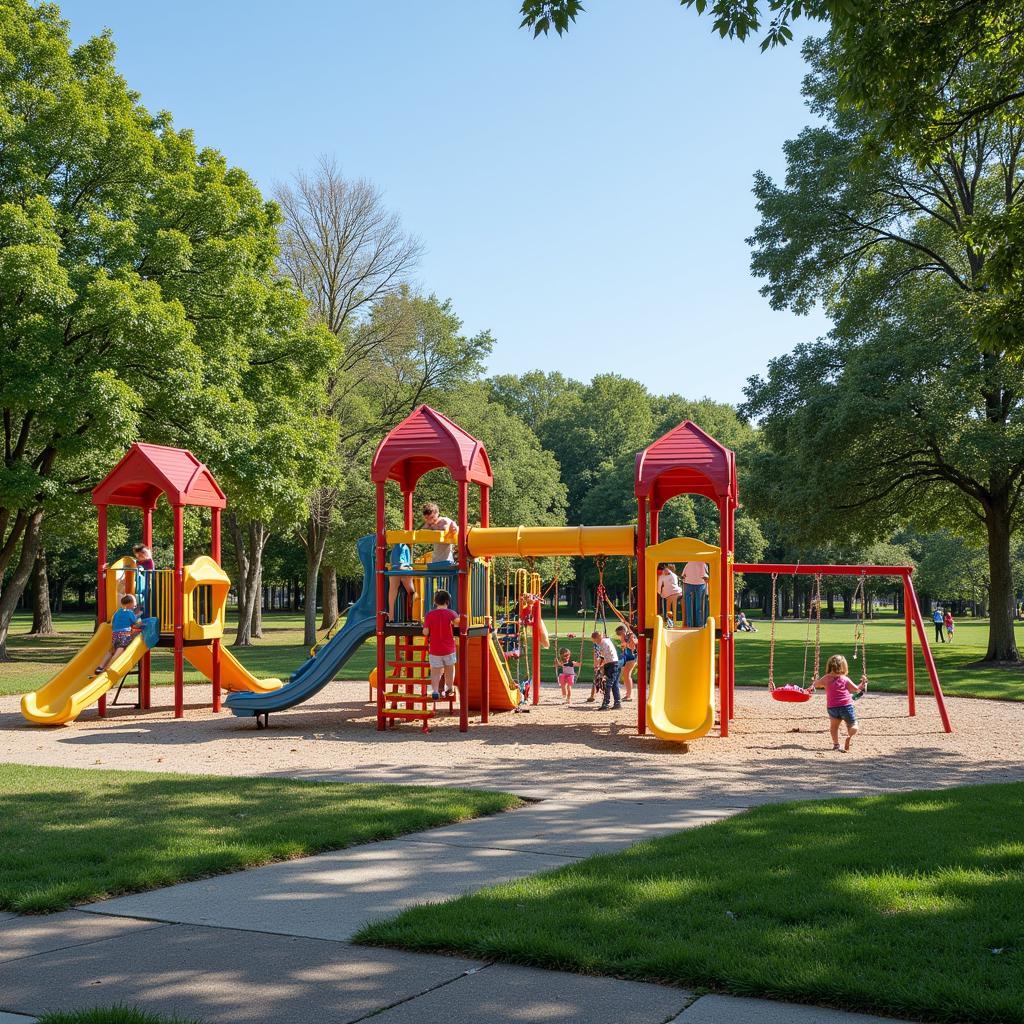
149,470
685,461
427,440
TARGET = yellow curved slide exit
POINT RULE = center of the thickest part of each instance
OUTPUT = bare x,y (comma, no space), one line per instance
234,676
681,687
77,685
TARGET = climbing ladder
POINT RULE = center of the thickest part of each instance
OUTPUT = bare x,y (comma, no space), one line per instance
407,685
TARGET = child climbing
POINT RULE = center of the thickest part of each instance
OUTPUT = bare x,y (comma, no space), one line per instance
566,673
839,688
437,628
123,628
433,520
401,561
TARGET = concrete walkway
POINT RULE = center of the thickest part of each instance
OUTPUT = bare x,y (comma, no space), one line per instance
271,944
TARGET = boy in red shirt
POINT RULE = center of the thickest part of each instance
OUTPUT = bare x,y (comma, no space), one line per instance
437,628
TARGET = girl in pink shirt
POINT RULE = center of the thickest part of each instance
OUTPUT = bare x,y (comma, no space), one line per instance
839,688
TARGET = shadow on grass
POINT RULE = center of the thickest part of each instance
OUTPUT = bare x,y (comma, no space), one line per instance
910,904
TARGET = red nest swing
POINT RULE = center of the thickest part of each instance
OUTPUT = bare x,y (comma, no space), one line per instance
792,693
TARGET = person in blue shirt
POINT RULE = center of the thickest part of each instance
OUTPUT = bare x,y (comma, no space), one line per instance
123,627
400,561
939,620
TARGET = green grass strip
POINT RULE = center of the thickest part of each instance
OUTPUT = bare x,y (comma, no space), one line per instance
73,835
113,1015
911,905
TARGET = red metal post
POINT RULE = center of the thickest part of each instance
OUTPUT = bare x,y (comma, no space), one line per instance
909,631
381,598
463,666
535,667
407,513
179,612
641,617
145,668
485,683
101,580
929,661
485,642
724,711
215,554
655,524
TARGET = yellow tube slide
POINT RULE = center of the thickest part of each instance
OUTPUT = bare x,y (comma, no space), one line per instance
541,541
681,687
76,685
234,675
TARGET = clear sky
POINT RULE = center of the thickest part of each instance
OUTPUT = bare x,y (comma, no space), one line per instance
585,198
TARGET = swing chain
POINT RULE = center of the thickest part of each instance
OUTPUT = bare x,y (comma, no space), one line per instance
771,641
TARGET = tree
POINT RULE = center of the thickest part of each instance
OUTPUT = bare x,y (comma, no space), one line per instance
920,419
347,253
137,285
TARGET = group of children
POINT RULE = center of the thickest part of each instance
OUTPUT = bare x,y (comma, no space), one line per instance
612,671
127,620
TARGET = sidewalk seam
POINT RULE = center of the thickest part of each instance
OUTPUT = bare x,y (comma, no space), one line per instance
87,942
419,995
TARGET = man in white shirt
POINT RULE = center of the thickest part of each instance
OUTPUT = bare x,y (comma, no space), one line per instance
695,590
606,660
433,520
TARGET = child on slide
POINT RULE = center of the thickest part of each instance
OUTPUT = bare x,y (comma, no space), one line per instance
123,627
839,688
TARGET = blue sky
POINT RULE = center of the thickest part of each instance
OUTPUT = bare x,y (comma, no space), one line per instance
585,198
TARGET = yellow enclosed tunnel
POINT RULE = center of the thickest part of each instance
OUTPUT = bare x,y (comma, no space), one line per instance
543,541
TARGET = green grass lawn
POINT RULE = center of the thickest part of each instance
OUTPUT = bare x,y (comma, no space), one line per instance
911,905
113,1015
71,835
281,651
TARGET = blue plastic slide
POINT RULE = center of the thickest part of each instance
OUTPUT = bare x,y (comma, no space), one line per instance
316,673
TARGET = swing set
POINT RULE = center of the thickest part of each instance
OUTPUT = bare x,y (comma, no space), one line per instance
793,693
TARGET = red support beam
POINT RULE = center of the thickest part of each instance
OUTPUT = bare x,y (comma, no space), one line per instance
381,567
535,667
641,617
908,621
179,611
101,581
463,578
929,660
215,554
788,568
724,712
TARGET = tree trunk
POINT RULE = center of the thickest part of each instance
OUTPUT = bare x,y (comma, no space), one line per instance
847,605
314,540
329,582
42,618
1002,645
831,605
257,605
14,586
249,559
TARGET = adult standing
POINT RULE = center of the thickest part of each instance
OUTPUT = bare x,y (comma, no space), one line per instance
695,591
939,621
433,520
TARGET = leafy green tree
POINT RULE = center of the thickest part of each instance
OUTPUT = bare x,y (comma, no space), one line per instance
919,419
137,284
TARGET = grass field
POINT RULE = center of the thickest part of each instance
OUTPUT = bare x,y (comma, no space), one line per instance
281,651
72,835
111,1015
910,904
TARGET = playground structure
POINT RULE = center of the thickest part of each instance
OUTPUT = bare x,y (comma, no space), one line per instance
182,607
679,667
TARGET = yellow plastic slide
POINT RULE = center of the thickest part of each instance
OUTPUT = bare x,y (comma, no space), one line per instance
76,685
681,689
233,674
